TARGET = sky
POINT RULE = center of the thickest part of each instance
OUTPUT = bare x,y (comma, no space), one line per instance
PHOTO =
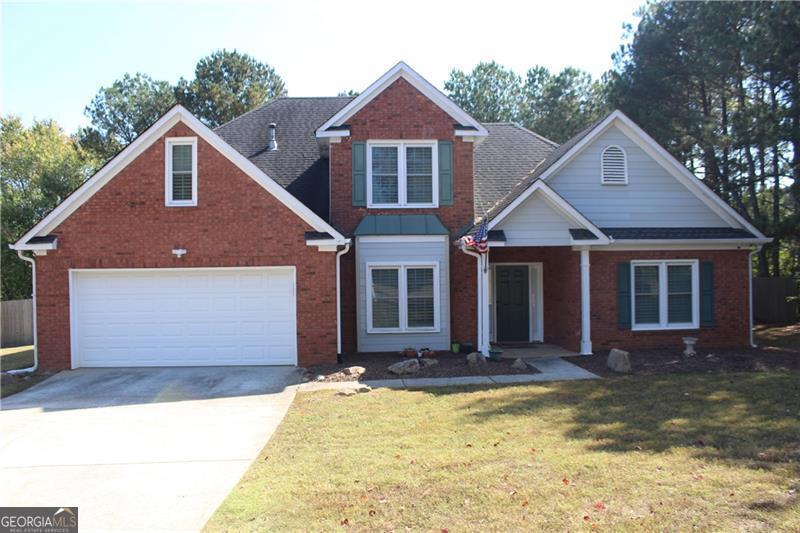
54,56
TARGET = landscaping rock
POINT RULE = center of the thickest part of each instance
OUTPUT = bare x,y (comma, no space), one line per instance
477,361
355,371
409,366
361,389
619,361
426,362
519,364
346,392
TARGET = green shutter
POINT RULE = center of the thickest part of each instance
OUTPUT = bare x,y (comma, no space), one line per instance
706,293
624,295
359,173
445,173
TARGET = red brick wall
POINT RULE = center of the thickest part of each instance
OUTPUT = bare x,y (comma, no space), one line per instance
402,112
126,225
561,289
731,302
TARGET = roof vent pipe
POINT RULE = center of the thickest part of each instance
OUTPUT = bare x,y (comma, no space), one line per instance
273,143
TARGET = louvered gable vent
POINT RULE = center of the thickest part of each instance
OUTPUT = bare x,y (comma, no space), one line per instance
615,166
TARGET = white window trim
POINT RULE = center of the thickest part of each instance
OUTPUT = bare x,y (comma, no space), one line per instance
169,143
663,296
403,296
602,165
401,146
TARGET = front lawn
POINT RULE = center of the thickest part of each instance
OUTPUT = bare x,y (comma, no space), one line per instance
675,452
11,359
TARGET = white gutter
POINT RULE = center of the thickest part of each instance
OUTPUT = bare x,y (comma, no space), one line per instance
750,292
35,341
339,254
481,341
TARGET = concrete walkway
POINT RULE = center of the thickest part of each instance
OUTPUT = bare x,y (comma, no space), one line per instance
554,369
154,449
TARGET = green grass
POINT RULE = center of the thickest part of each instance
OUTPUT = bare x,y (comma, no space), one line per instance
18,357
666,452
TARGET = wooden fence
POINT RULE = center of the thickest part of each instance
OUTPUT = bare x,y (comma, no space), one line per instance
16,323
775,300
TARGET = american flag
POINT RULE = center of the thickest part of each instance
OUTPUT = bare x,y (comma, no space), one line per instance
480,240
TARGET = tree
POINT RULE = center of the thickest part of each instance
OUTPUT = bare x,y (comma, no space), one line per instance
560,105
718,84
226,85
122,111
41,166
490,93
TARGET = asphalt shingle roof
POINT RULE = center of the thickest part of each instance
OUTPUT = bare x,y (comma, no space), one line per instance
503,159
677,233
296,164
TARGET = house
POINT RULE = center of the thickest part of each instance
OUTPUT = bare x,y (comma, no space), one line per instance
314,226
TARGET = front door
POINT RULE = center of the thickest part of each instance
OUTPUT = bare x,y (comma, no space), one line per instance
513,303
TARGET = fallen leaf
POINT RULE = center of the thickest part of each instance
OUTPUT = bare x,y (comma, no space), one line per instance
469,445
565,481
533,450
413,461
363,497
698,477
496,443
513,492
731,494
372,512
525,503
397,456
586,517
345,522
600,506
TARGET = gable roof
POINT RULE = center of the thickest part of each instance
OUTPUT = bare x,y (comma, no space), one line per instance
297,164
503,159
145,140
465,124
574,146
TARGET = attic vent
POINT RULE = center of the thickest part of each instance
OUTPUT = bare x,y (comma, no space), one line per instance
615,166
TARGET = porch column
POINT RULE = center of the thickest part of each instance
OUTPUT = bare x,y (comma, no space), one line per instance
483,302
586,315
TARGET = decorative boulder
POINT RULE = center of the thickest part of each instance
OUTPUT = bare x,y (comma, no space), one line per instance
354,371
477,361
519,364
427,361
363,388
619,361
346,392
409,366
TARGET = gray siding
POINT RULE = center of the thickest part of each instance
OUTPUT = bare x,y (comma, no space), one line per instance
652,197
406,251
536,223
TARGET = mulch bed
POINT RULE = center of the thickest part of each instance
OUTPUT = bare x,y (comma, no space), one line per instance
708,361
450,365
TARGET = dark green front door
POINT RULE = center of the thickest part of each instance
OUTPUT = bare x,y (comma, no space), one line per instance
513,304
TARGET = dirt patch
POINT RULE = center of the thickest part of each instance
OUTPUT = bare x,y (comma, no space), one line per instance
708,361
450,365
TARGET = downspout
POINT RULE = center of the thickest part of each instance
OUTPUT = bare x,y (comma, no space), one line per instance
339,254
750,292
479,257
35,340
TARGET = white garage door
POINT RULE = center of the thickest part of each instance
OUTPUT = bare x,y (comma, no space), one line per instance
183,317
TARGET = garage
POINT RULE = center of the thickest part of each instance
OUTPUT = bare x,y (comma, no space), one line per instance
183,317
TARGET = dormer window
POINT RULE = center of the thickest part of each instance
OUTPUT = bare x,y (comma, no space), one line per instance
614,164
181,172
402,174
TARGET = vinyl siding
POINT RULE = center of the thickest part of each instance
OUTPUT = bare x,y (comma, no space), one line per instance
536,223
367,252
652,197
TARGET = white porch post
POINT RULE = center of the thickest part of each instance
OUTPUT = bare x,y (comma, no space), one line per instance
483,315
586,315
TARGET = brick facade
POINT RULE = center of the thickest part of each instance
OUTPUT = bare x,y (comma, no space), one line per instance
562,297
126,225
402,112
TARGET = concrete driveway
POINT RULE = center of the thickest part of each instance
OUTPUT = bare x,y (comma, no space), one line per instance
138,449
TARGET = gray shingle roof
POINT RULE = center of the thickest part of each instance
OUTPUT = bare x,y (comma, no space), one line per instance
503,159
580,234
297,164
677,233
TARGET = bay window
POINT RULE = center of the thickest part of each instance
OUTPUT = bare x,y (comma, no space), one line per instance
665,294
402,174
402,297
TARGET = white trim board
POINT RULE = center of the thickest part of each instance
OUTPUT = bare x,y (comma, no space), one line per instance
142,143
402,70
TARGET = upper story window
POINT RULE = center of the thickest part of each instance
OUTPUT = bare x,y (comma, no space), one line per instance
181,171
665,294
402,174
614,165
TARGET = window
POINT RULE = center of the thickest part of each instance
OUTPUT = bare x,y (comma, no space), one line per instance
665,294
402,298
614,165
181,171
402,174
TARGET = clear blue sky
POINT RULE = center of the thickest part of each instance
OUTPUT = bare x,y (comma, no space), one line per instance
55,56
